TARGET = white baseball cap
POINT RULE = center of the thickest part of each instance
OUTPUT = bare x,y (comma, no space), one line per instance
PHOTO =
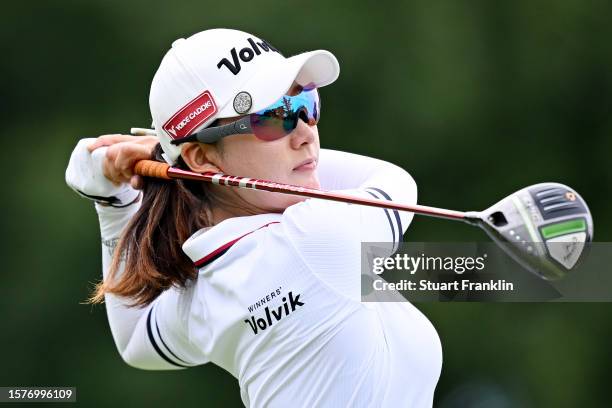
223,73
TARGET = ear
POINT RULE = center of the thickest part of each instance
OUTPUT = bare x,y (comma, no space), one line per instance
201,157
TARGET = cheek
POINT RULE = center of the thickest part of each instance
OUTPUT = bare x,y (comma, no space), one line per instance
258,159
257,163
267,161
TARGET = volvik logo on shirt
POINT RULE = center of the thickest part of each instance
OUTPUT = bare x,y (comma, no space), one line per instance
274,315
245,55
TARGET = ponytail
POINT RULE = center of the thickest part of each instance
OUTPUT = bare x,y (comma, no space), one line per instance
171,211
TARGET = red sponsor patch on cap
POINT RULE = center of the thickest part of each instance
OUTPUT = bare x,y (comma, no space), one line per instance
190,116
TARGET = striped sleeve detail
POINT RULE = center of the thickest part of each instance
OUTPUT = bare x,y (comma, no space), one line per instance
160,346
395,222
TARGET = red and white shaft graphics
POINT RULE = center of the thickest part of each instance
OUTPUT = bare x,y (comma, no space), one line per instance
149,168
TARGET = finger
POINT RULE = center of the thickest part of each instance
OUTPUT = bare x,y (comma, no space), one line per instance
147,140
108,140
113,169
128,155
150,142
109,172
137,182
122,167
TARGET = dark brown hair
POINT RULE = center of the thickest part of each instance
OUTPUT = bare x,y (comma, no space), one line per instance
171,211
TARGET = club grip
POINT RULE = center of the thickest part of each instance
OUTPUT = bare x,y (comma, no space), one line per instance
150,168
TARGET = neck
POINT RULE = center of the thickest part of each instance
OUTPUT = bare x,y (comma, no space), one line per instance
220,213
232,205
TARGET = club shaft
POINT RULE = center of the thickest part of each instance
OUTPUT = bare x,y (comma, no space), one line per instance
151,168
142,132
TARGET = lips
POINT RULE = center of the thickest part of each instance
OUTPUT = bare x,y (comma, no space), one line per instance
308,164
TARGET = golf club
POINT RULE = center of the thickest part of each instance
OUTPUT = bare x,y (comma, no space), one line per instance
543,227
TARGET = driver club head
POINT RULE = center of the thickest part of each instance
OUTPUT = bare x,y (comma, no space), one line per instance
543,227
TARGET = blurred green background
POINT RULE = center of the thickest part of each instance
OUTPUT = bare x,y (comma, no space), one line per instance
476,99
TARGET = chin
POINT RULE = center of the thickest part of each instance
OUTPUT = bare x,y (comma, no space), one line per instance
292,200
306,180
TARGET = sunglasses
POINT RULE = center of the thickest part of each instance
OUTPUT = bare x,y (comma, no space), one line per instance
271,123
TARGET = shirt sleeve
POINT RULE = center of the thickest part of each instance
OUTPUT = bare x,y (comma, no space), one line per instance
85,175
371,178
155,337
328,235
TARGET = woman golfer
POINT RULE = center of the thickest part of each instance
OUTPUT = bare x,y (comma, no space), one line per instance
265,285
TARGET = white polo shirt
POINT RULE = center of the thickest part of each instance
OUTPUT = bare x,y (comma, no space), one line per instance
277,302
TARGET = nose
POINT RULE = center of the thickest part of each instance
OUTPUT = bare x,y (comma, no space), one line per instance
303,134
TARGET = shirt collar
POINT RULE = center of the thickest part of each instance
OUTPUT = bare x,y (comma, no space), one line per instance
210,243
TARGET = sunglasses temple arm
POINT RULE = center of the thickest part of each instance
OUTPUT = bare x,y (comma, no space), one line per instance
211,135
214,134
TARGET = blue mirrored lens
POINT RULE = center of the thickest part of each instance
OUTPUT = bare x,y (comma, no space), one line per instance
280,118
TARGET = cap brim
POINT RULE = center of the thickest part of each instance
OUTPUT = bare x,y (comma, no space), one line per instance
319,68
